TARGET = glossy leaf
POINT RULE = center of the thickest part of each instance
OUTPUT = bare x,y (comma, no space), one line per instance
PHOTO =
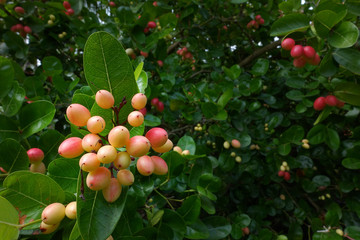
197,230
8,128
13,101
106,66
348,92
187,143
351,163
65,172
348,59
289,23
52,66
35,116
219,227
190,209
344,36
6,76
8,218
324,21
49,143
13,156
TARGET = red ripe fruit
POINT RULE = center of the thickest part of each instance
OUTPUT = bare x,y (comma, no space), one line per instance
319,104
151,24
13,28
112,4
316,60
160,166
160,63
340,104
225,27
154,101
258,17
145,54
299,62
155,4
66,5
246,231
249,25
188,55
297,51
35,155
19,10
98,179
288,44
146,30
160,106
71,148
157,137
287,176
138,146
27,29
331,100
281,173
256,24
309,52
143,111
261,21
19,27
70,12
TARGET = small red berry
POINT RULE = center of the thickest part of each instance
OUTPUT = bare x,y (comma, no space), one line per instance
287,176
112,4
340,104
151,24
288,44
261,21
299,62
19,10
316,60
309,52
154,101
70,12
155,4
160,106
66,5
160,63
27,29
297,51
331,100
145,54
143,111
281,173
225,27
319,103
258,17
146,30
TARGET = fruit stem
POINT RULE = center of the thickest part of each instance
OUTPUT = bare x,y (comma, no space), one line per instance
4,175
164,198
82,188
348,237
30,223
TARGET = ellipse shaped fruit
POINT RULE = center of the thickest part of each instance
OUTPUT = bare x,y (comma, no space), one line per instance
125,177
38,167
288,44
135,118
319,103
145,165
78,114
299,62
122,160
297,51
104,99
160,166
235,143
119,136
98,179
70,210
138,146
112,192
53,213
91,142
138,101
107,154
71,147
89,162
96,124
36,155
157,137
331,100
309,52
164,148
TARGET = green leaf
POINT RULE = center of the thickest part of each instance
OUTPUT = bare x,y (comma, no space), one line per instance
327,236
238,1
65,173
13,156
137,130
138,70
351,163
348,59
106,66
197,230
49,142
187,143
348,92
8,128
8,218
156,217
12,102
353,7
175,222
353,232
233,72
219,227
142,81
36,116
317,134
343,36
290,23
52,66
83,99
332,139
75,233
209,109
293,135
260,67
323,115
327,67
30,193
225,98
6,76
324,21
321,181
284,149
175,163
295,95
151,120
190,209
96,217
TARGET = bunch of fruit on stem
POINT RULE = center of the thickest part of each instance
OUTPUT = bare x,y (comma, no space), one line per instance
255,23
301,54
330,100
284,171
107,154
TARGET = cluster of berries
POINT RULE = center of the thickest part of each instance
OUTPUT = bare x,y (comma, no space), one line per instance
159,105
36,155
54,213
152,25
69,11
305,143
186,54
284,171
330,100
301,54
180,151
255,23
23,30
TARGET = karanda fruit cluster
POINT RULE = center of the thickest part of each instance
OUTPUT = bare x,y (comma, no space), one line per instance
107,158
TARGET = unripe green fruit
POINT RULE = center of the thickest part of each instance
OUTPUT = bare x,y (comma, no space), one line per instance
145,165
96,124
138,101
98,179
138,146
78,114
125,177
71,147
112,192
235,143
178,149
38,167
91,142
164,148
104,99
282,237
36,155
157,137
89,162
47,229
238,159
160,166
226,145
70,210
119,136
122,160
107,154
53,213
135,118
